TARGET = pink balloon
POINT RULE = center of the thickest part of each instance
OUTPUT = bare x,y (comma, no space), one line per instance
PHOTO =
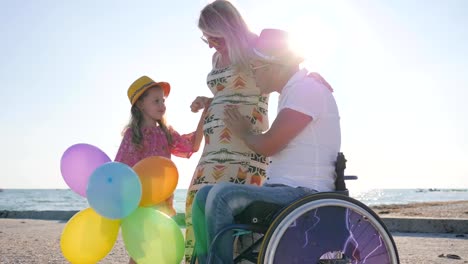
78,163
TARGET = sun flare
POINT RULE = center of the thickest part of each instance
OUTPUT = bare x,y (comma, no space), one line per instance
315,40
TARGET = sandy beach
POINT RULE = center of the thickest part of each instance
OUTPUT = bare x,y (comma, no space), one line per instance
38,241
454,209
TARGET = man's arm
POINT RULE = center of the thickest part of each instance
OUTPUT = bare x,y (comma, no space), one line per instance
287,125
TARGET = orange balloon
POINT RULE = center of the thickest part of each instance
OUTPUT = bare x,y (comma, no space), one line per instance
167,206
159,177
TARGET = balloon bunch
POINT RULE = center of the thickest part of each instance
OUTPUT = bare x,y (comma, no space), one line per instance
120,196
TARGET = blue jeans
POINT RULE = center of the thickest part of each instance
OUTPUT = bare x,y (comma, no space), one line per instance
215,206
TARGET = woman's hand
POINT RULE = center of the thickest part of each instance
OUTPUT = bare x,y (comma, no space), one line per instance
239,125
199,103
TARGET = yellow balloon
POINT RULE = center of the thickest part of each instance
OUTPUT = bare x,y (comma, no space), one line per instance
88,237
159,177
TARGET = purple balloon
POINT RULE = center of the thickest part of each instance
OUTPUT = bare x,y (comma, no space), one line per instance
78,163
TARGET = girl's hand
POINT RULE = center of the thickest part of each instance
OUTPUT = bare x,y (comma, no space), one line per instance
239,125
199,103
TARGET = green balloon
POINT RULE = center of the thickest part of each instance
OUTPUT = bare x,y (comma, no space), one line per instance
152,237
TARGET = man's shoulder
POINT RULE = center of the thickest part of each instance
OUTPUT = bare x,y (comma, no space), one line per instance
316,77
306,86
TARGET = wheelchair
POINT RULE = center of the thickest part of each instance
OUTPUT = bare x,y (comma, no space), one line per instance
323,228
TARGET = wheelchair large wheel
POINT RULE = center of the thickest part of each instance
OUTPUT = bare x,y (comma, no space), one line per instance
328,228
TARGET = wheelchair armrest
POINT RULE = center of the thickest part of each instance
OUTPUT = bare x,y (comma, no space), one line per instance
340,166
350,177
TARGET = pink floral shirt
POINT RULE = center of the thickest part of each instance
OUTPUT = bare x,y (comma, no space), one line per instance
154,143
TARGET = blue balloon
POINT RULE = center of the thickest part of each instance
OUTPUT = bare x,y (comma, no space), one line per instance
114,190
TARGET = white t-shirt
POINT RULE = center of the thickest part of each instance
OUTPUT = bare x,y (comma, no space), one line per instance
309,159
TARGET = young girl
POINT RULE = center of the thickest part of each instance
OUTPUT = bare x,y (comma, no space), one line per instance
147,133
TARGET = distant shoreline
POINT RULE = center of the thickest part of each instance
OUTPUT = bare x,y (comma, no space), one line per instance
61,215
446,209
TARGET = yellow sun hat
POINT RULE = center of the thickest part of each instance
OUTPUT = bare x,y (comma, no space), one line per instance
142,84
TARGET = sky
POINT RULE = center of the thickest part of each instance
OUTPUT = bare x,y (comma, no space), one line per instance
399,71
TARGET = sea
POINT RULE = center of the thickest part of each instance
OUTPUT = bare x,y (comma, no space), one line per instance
67,200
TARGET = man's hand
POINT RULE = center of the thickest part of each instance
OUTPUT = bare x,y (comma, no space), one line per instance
286,126
199,103
240,126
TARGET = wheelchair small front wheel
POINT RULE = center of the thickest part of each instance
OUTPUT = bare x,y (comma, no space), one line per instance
328,228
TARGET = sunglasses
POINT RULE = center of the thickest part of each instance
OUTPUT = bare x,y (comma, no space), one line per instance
212,40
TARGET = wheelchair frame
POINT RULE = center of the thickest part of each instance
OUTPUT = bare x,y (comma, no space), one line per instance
272,222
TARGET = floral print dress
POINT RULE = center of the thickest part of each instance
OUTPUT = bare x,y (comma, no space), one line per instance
154,143
226,158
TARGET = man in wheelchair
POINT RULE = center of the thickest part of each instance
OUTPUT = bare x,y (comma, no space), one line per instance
303,143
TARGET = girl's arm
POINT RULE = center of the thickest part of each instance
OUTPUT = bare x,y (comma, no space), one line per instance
185,145
199,132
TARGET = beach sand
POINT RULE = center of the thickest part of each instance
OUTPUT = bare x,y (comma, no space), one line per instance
454,209
38,241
